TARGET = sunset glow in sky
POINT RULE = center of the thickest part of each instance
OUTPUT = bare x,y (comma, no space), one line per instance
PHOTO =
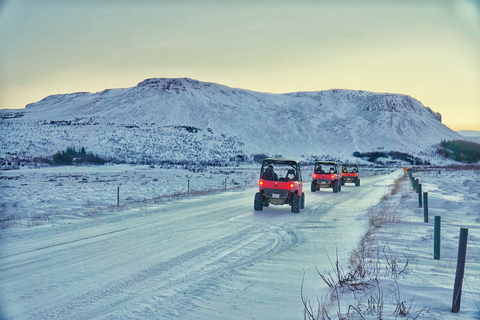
427,49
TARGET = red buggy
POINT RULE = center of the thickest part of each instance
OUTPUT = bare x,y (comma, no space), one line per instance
350,174
280,183
326,175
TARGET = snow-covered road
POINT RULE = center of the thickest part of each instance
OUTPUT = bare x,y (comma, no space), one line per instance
203,257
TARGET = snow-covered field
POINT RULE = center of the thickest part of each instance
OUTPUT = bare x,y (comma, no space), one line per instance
49,193
46,194
69,253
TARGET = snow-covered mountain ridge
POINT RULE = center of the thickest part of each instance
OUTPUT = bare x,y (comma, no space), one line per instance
179,119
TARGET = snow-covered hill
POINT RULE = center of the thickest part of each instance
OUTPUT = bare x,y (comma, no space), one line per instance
184,119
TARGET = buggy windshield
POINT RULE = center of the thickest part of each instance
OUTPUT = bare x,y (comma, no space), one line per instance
350,168
323,167
280,171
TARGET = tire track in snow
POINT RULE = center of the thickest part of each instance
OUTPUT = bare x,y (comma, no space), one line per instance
170,283
62,244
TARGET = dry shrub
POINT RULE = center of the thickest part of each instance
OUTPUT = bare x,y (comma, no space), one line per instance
396,186
371,277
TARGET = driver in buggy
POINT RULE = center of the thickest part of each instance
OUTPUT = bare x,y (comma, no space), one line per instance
269,173
319,170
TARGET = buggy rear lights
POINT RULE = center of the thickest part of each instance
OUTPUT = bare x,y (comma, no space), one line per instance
292,185
260,183
332,176
314,176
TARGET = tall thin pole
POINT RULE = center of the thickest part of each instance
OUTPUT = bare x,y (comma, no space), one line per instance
436,238
462,253
425,206
419,190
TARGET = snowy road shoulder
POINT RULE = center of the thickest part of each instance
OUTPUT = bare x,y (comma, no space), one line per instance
401,276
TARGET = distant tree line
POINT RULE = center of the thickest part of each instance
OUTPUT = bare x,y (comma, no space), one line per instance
460,150
72,156
395,155
258,157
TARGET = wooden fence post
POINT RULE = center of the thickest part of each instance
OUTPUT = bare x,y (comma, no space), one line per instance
462,252
436,238
425,206
419,195
188,187
118,196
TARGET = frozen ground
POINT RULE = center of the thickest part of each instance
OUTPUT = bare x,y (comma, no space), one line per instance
455,197
212,257
401,248
33,196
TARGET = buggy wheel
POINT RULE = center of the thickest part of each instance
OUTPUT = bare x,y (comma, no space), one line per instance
302,201
357,183
314,186
258,202
335,187
296,203
339,186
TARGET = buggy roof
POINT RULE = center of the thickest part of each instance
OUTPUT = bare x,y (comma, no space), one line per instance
268,161
331,163
350,164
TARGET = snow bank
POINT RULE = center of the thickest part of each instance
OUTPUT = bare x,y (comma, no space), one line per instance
402,278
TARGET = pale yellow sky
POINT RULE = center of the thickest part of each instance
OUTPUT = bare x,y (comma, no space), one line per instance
428,49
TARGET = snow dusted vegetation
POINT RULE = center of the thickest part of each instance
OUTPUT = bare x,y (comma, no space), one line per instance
392,273
78,191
